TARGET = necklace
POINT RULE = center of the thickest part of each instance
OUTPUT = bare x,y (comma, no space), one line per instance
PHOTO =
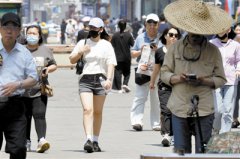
193,59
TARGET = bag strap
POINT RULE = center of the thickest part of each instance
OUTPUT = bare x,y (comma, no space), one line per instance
84,44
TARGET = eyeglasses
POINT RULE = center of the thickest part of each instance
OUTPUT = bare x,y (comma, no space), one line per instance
172,34
10,27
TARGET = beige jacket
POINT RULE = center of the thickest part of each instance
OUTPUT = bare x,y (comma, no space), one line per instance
209,65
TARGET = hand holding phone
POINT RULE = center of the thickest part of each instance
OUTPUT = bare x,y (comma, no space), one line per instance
191,77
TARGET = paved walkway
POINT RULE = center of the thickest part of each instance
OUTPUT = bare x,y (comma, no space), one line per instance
117,139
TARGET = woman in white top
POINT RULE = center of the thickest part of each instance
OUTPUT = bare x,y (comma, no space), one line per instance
100,61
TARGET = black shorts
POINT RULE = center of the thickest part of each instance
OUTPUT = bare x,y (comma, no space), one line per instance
91,83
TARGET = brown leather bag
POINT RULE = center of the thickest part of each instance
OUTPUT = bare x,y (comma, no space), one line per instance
47,90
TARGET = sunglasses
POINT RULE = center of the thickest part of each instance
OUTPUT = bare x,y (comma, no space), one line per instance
172,34
152,22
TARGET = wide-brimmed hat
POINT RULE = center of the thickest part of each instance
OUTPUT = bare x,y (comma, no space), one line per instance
197,17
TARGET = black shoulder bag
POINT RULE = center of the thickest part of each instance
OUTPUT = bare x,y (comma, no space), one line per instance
80,64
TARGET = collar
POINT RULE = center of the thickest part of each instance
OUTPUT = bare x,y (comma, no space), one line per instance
223,44
16,46
151,40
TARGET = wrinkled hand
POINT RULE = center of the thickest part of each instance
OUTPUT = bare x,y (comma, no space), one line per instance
194,82
9,89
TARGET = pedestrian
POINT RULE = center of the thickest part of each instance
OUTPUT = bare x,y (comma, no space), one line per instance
193,68
70,30
141,94
34,100
236,113
169,36
136,25
122,42
100,60
162,24
83,33
45,32
226,95
17,73
63,32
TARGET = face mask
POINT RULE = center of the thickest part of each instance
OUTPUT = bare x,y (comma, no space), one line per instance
222,37
32,39
93,33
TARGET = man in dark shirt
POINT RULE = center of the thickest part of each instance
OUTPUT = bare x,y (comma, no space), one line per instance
82,34
63,31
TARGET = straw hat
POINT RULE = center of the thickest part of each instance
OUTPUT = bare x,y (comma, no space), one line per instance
197,17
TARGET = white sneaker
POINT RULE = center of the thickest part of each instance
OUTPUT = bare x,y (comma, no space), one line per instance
166,141
43,145
156,128
28,145
126,88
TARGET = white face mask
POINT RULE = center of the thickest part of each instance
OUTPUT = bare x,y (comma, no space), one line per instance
32,39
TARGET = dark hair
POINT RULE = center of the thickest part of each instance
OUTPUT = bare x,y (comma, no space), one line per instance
104,35
165,32
162,17
39,31
122,25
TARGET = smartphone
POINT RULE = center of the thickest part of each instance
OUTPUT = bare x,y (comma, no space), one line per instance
191,76
152,45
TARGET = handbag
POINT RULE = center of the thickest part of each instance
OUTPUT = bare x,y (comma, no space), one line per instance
140,79
79,66
80,62
47,90
45,87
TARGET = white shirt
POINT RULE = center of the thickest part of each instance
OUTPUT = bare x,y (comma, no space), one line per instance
100,56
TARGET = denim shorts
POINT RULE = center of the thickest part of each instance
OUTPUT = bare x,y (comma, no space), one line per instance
91,83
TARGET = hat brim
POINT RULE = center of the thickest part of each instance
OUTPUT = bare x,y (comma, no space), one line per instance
182,15
11,22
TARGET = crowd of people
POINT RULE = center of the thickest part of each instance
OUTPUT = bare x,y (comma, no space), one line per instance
193,82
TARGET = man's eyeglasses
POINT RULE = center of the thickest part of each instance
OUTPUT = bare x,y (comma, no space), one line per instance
172,34
10,27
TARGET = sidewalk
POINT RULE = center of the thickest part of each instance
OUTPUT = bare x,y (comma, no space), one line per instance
65,130
117,139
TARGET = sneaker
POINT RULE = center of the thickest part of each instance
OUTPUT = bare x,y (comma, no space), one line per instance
156,128
43,145
137,127
28,145
126,88
235,124
96,147
166,141
88,146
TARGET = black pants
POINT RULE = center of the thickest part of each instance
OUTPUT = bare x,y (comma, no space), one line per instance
166,115
36,108
13,125
122,68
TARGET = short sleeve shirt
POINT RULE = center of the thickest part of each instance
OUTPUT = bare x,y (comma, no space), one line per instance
100,56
